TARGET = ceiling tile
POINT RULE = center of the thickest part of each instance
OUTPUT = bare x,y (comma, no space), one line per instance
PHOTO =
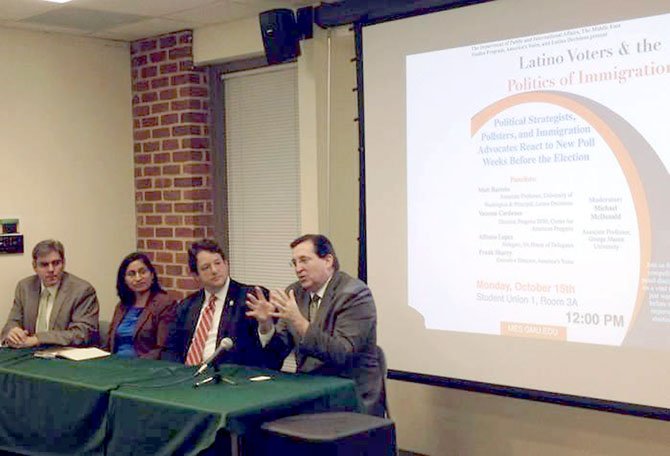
144,29
152,8
20,9
82,19
50,28
216,13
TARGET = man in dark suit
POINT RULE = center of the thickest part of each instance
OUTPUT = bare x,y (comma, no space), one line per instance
213,313
52,307
327,318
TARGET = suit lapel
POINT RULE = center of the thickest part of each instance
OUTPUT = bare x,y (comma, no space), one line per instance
303,302
326,301
302,298
307,363
144,315
232,298
61,296
32,305
117,318
193,314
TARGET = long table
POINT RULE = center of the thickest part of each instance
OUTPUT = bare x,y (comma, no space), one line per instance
115,406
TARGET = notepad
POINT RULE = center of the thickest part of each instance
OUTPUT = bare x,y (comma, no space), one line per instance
72,353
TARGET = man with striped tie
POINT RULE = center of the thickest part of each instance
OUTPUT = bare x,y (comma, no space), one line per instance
215,312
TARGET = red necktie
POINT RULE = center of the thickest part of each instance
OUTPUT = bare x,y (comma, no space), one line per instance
194,356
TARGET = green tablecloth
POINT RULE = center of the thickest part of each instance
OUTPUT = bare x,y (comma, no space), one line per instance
180,419
118,406
59,406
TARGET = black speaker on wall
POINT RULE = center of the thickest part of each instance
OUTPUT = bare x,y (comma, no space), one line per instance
281,38
304,18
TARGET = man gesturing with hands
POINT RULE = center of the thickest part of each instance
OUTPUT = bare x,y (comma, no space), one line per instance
327,318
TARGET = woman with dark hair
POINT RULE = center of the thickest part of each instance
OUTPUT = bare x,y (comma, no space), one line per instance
142,318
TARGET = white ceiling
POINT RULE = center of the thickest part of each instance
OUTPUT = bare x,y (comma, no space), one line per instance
129,20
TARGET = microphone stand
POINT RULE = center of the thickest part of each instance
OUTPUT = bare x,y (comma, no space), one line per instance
216,378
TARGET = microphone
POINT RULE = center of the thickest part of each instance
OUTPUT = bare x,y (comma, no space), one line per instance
225,345
214,378
203,382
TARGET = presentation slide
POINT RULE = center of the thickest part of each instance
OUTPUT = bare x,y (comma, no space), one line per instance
517,157
555,167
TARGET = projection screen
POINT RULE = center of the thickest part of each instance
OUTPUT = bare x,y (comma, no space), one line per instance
517,188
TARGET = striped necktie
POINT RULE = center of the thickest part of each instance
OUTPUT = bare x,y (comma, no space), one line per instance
194,355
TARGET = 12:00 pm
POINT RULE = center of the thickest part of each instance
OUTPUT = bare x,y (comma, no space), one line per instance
592,318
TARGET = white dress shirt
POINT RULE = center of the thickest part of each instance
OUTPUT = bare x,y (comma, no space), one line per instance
210,343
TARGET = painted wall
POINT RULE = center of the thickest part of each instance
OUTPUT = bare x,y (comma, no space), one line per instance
66,169
211,44
443,422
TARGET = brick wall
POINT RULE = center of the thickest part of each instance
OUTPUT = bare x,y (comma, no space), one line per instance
173,183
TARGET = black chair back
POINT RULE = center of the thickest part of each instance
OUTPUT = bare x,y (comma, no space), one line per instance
383,400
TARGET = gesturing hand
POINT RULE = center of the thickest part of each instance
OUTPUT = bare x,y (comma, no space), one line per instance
260,309
287,308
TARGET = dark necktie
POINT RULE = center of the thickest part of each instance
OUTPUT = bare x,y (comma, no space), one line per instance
313,307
